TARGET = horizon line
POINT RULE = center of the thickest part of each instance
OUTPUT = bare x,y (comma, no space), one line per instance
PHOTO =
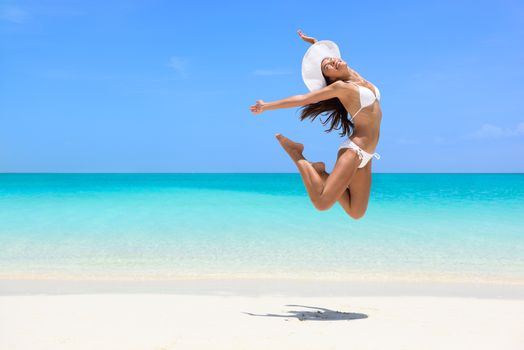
233,173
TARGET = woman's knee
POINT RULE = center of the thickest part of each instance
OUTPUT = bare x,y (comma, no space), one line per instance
357,214
323,203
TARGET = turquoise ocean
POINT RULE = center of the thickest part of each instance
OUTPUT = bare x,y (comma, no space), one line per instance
450,227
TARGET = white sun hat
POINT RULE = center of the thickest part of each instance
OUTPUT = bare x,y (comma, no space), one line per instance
311,72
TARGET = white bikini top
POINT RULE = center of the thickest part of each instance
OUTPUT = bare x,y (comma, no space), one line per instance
367,98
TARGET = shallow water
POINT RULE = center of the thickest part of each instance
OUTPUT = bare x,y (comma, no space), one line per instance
157,226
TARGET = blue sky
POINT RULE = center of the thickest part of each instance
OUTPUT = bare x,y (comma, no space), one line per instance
165,86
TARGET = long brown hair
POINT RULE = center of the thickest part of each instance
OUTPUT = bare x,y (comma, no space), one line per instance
336,113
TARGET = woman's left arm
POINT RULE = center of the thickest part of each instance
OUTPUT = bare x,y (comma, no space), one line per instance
306,38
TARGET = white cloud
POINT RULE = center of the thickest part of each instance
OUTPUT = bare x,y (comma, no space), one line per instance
178,64
490,131
13,14
272,72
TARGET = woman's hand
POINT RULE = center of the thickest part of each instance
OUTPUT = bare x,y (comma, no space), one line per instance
258,107
307,39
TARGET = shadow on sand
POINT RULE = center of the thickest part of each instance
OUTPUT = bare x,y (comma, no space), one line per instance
318,314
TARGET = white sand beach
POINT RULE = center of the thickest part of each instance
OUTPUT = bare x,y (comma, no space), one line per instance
289,317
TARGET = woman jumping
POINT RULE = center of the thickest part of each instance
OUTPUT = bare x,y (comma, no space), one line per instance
335,89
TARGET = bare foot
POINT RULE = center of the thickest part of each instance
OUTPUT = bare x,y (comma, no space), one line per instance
320,167
294,149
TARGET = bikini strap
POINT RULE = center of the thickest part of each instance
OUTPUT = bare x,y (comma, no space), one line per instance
353,117
377,92
358,86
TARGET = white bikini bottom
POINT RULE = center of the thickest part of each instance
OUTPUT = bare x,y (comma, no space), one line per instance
363,155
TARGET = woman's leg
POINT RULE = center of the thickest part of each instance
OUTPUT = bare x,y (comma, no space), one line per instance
355,199
323,194
345,199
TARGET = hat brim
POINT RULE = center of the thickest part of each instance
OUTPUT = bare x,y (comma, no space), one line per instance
311,71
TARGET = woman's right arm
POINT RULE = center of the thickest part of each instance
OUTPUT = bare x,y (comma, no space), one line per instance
293,101
297,100
333,90
290,102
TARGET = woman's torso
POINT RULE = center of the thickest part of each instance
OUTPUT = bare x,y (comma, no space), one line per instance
367,121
